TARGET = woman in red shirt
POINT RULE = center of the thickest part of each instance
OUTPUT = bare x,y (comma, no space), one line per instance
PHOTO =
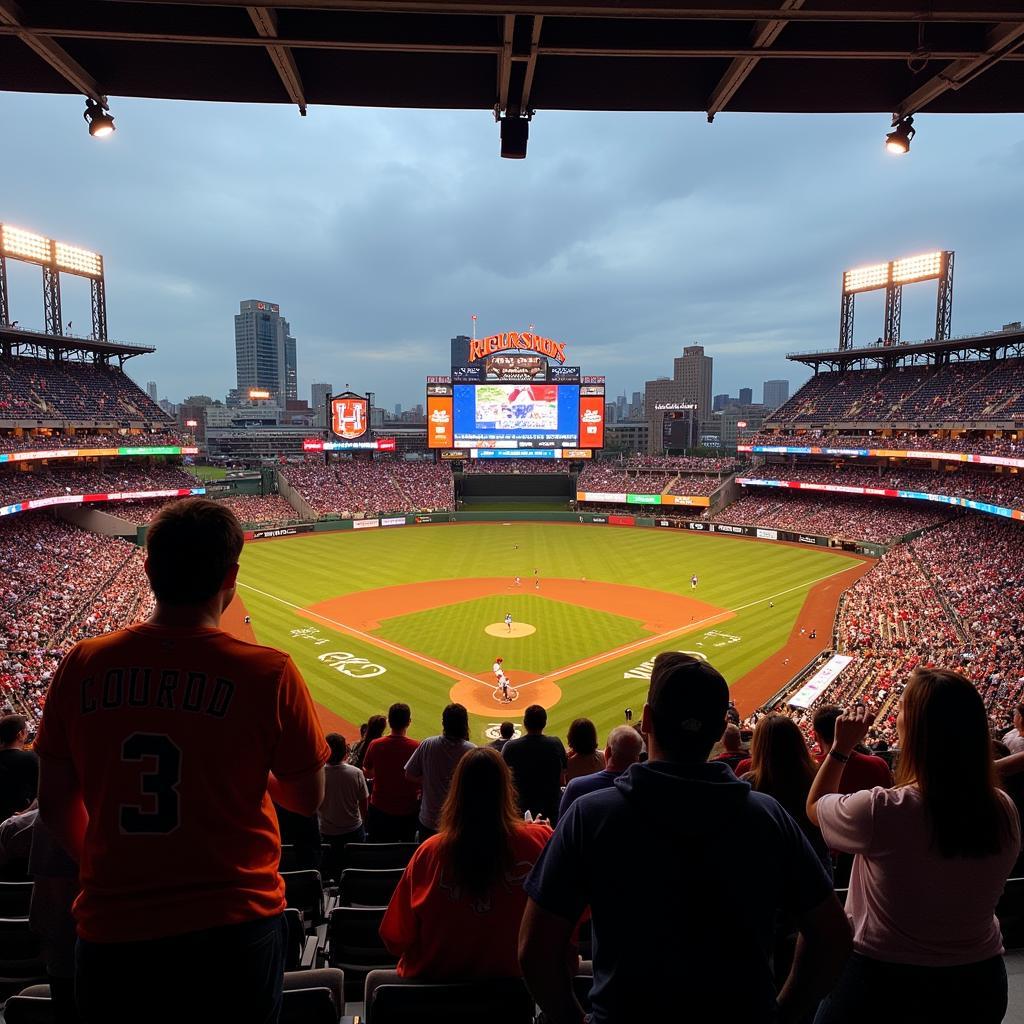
456,912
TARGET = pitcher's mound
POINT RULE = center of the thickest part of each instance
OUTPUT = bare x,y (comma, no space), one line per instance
518,629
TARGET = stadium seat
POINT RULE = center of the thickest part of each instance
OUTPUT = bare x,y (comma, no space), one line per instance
354,944
368,887
20,958
300,953
377,855
304,891
30,1009
497,1001
15,898
1010,912
308,1006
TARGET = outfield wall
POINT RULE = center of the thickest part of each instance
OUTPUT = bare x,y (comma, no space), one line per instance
586,518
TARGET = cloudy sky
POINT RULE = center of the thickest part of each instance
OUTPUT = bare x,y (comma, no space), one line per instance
626,236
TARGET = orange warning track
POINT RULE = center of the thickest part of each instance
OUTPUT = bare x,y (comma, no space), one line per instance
233,622
659,611
818,613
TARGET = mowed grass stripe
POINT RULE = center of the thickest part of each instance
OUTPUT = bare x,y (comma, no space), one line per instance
455,633
732,574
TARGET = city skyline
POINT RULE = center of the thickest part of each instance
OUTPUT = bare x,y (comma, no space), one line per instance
626,236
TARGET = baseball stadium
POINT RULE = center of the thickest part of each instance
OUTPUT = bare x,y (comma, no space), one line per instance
499,663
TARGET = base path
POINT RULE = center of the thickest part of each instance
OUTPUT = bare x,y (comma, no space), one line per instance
233,622
818,614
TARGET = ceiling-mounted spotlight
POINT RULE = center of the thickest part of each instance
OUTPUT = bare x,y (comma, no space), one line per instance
99,119
515,131
898,140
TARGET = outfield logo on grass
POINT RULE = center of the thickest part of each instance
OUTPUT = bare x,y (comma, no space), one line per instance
644,670
349,665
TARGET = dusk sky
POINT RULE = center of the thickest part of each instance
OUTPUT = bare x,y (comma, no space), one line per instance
626,236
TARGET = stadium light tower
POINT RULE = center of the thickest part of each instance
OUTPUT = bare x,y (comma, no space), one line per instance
55,258
892,276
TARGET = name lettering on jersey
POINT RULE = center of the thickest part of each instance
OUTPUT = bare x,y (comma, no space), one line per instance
136,687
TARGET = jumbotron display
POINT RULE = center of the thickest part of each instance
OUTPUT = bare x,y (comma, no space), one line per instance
516,416
495,406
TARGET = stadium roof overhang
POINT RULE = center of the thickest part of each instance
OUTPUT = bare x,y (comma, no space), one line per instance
992,345
21,342
808,56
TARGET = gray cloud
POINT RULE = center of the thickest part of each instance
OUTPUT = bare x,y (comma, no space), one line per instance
627,236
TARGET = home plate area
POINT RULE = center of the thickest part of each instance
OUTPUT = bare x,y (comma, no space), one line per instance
502,631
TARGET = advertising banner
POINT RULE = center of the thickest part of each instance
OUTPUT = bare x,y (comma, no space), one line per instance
468,374
426,519
820,681
513,369
349,415
453,454
95,453
283,531
591,421
393,521
78,499
767,534
564,374
364,524
643,499
622,520
440,416
606,496
691,500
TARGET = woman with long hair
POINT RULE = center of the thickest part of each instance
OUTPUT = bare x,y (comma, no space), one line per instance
583,757
375,727
781,766
932,855
457,909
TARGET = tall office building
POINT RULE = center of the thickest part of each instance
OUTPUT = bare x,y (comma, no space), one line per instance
151,390
318,401
746,396
693,370
265,351
719,403
776,393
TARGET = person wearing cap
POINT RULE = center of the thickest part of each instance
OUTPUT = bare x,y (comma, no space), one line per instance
678,832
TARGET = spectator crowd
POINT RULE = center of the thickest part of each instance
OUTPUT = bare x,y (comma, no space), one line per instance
354,487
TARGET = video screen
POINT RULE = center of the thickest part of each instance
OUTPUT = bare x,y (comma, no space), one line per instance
517,416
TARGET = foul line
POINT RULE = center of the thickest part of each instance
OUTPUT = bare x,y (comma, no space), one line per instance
370,638
572,669
692,626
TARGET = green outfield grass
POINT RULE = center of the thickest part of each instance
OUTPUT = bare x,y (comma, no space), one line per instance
208,472
278,577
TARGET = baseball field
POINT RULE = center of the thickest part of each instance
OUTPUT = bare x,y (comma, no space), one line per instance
418,614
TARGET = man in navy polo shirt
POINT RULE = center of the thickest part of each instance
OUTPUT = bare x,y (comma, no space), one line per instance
697,850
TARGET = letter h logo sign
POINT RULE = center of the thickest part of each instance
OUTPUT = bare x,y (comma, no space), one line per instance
349,417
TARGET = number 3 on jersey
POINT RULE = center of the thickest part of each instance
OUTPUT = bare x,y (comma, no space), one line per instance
158,785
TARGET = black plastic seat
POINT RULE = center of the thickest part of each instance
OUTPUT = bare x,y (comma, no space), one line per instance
304,891
353,943
368,887
498,1001
377,856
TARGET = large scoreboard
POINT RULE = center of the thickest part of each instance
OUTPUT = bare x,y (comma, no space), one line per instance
511,396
